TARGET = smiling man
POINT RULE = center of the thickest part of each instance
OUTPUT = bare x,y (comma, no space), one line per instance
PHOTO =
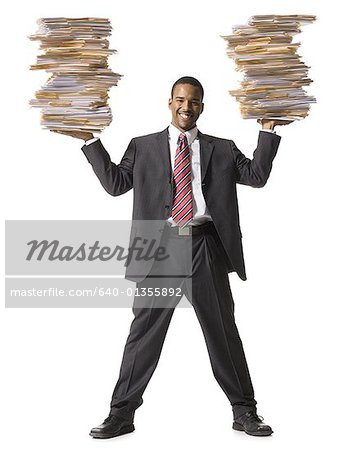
188,180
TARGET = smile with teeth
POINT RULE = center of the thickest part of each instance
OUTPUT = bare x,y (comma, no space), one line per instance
185,115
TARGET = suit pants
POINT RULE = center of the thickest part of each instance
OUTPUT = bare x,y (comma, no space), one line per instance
208,290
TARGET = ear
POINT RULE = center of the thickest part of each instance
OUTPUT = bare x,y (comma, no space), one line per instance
202,108
169,103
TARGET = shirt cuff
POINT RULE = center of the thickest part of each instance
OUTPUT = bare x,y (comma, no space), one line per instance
90,141
268,131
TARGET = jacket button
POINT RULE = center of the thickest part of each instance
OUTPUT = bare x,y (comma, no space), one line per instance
167,206
203,184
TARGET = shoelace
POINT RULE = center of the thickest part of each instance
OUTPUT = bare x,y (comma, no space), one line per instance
108,419
253,415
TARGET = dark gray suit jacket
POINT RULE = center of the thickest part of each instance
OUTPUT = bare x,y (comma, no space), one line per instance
146,167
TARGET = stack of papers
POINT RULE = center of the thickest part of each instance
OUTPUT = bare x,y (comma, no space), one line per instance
76,54
274,74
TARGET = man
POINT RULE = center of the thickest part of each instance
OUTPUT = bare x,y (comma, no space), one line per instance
188,180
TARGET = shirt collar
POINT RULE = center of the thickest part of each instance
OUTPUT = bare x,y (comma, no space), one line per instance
174,134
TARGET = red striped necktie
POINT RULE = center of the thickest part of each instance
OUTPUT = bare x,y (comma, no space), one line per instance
182,190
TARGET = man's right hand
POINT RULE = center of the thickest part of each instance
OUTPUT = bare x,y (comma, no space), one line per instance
84,135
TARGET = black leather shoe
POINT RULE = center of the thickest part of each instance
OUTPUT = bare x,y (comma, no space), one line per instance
111,427
252,425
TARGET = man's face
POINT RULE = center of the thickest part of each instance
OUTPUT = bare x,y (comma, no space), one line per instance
186,106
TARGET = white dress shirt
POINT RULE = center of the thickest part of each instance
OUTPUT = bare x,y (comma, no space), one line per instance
199,208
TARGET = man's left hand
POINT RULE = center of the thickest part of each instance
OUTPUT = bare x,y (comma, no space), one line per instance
269,124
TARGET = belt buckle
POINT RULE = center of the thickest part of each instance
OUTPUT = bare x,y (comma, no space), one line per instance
184,231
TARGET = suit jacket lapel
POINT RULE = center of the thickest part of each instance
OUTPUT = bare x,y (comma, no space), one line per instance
164,151
206,150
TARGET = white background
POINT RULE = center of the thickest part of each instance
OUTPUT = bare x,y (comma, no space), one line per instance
62,365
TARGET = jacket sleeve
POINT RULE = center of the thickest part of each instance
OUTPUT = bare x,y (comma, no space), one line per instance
116,179
255,172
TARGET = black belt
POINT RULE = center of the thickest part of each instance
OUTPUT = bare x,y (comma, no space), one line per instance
190,230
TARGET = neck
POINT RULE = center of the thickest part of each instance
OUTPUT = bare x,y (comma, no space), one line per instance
183,130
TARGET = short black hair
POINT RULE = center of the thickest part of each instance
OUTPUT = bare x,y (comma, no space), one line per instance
188,80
